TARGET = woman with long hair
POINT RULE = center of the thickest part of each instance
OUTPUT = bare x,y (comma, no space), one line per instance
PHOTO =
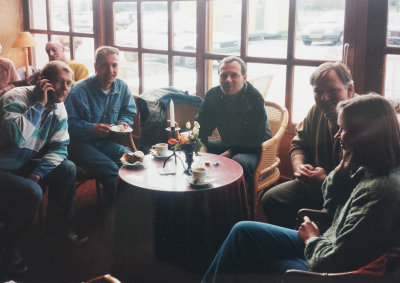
362,195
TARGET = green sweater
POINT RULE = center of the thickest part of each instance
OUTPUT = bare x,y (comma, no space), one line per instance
366,218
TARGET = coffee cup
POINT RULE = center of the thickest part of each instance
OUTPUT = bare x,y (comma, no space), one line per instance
161,149
199,175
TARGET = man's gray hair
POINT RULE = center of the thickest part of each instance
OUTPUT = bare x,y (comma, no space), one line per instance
341,69
104,50
231,59
50,70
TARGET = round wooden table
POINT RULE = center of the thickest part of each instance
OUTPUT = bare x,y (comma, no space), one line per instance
163,218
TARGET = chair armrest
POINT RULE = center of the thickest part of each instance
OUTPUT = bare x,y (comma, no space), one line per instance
300,276
272,167
319,217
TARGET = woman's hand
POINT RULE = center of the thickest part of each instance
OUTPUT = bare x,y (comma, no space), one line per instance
345,164
308,230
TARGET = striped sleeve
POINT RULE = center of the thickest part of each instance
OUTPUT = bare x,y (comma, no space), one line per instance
58,143
20,119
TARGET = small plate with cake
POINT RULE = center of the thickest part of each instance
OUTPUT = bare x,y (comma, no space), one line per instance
133,159
120,129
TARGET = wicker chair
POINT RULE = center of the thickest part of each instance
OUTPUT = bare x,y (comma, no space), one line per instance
267,171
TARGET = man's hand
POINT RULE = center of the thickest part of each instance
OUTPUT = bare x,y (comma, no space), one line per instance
307,230
34,177
308,175
126,125
43,86
226,154
101,130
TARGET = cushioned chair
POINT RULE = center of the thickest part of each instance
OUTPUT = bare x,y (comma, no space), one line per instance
384,269
267,172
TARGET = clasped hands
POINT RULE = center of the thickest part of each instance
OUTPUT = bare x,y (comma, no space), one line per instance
310,175
102,130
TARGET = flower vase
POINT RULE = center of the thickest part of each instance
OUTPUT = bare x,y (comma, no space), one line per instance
189,161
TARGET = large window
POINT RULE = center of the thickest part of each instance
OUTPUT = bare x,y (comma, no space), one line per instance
69,22
180,42
392,52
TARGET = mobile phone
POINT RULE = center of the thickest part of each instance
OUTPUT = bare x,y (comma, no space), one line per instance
50,93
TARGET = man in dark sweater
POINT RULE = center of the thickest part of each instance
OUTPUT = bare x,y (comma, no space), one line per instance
237,110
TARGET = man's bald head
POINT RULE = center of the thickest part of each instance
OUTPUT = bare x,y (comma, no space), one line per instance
55,51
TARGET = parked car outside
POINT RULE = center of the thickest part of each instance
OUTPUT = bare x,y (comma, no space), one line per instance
329,28
393,37
183,40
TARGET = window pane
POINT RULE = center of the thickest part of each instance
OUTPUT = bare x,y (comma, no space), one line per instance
125,24
319,29
392,74
40,53
39,14
303,93
129,70
59,15
127,36
184,78
268,28
269,80
214,72
155,70
185,26
393,27
225,26
82,16
155,25
84,52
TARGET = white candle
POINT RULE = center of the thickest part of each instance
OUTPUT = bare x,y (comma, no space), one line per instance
172,113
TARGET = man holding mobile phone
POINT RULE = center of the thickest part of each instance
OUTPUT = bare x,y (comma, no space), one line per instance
33,150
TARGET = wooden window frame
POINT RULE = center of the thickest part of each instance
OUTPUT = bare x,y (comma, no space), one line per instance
365,31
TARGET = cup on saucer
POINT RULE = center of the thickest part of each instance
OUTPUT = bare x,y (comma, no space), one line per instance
161,149
199,175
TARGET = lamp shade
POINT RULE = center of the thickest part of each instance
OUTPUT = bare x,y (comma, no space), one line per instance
24,39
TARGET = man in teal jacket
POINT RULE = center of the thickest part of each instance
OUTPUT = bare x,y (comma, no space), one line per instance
93,105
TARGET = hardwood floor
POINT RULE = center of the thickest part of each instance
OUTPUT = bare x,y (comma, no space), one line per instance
52,260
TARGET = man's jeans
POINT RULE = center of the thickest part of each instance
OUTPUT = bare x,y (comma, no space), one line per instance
248,161
102,159
20,198
256,248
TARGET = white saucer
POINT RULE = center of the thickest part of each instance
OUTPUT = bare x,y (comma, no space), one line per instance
156,156
197,184
115,129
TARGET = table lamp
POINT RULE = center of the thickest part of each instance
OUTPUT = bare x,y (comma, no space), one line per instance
25,40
